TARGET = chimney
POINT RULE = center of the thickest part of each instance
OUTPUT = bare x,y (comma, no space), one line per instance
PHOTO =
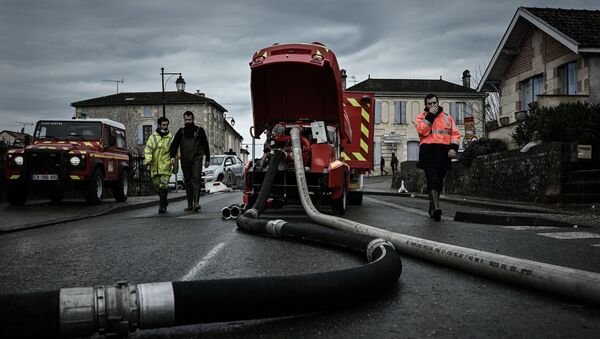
466,78
344,76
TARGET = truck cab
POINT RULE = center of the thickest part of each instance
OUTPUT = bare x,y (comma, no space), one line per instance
83,155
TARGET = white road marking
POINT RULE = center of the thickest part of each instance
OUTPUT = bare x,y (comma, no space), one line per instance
596,245
571,235
203,262
529,228
405,208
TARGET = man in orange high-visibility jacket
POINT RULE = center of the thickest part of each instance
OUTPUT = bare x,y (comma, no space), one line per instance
439,144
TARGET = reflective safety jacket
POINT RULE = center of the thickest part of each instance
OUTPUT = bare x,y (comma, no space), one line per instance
442,131
437,139
157,154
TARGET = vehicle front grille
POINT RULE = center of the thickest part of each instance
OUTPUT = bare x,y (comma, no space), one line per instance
44,162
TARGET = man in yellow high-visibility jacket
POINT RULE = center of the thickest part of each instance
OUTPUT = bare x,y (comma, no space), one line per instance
157,155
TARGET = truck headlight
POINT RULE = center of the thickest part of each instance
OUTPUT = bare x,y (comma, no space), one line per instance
75,161
18,160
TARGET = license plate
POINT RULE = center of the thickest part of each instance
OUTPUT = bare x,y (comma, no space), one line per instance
45,177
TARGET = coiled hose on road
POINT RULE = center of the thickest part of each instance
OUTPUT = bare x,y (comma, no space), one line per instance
123,308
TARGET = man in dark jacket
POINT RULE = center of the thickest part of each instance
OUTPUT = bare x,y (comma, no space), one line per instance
192,144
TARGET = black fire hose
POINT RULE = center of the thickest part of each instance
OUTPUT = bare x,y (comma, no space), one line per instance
124,308
267,185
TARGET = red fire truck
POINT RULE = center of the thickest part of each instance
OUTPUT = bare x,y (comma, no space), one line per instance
299,85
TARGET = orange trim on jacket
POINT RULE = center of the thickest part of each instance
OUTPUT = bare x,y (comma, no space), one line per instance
442,131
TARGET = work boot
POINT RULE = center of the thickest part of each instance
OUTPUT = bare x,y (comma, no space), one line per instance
162,193
437,211
431,205
189,194
197,199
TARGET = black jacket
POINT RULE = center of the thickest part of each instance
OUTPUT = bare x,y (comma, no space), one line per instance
200,143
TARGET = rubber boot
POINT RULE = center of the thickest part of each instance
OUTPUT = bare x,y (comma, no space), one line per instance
431,205
162,193
197,199
189,194
437,211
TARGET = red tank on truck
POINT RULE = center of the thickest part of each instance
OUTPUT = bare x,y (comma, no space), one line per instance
299,85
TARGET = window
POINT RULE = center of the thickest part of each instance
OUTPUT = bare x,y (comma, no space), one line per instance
121,140
377,112
457,110
147,132
531,88
228,161
400,112
147,112
569,78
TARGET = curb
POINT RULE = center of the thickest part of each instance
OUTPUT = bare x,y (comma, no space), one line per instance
109,210
510,220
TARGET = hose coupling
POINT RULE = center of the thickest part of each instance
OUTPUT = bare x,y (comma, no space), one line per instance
226,213
274,227
375,244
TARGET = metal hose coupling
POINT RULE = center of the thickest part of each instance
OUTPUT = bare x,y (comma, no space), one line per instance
375,244
115,310
274,227
235,211
226,213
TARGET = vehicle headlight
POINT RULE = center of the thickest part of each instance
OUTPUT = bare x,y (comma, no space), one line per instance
18,160
75,161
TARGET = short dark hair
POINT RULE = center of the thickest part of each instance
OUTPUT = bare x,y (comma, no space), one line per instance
188,113
429,96
161,120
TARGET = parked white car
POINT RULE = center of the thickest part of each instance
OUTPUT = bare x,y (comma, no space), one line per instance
221,165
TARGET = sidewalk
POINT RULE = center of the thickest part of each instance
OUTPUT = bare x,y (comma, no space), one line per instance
42,213
500,212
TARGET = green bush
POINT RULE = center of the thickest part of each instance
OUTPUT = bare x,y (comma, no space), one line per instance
482,147
576,122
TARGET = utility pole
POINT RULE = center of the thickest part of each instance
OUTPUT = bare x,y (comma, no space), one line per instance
117,82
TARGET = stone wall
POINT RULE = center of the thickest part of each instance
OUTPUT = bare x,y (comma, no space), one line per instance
533,176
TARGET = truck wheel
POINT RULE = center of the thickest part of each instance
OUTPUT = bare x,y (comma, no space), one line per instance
355,198
338,206
16,193
121,187
95,189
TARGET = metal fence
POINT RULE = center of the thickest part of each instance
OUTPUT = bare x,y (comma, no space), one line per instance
140,180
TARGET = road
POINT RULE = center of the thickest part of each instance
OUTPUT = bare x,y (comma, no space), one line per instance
429,300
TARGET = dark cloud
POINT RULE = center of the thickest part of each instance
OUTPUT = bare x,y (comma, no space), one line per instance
53,53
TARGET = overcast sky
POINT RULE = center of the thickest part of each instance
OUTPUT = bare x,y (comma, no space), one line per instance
56,52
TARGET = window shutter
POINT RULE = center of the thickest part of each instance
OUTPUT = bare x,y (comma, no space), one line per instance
403,112
397,112
140,135
453,110
377,112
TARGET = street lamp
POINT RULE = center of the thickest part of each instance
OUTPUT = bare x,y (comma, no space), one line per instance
232,122
179,83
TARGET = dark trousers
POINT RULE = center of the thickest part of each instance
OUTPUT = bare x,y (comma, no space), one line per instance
192,173
435,178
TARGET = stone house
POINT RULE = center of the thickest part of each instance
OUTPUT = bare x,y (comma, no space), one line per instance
11,138
399,101
547,56
138,111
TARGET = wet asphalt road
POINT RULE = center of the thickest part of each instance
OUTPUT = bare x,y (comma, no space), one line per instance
429,300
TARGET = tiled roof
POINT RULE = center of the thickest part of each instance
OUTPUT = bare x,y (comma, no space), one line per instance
580,25
148,98
409,86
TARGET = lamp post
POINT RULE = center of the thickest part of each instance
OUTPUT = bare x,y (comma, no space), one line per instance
232,122
179,83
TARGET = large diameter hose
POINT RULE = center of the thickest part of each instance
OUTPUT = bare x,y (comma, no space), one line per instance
578,284
123,307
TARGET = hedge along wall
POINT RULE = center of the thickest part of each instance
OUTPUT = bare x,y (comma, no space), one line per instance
533,176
